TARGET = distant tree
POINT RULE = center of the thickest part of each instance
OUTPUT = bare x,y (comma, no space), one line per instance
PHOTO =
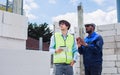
42,30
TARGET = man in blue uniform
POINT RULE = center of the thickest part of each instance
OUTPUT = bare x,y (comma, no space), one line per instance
91,49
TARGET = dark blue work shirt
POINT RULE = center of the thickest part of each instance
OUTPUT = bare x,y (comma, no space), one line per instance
92,54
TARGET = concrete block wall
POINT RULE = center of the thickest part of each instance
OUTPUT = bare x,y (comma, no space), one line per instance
1,22
14,58
111,48
24,62
13,27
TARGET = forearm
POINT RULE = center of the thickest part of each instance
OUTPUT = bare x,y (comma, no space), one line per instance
93,48
52,51
75,56
52,45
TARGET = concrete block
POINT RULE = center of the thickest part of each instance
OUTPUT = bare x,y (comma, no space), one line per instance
108,33
76,71
0,29
109,70
118,57
1,16
118,31
109,39
118,64
17,20
106,27
108,51
15,27
108,64
77,64
14,31
109,57
106,74
51,71
117,51
115,74
117,26
119,70
10,43
117,38
24,62
118,44
109,45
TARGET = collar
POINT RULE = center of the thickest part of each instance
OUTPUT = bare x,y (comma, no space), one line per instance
91,35
63,35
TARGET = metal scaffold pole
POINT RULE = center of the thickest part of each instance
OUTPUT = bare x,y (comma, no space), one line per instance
7,3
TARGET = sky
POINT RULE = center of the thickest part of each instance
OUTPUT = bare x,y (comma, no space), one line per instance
50,11
99,12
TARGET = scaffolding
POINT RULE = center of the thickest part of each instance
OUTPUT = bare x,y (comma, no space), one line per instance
13,6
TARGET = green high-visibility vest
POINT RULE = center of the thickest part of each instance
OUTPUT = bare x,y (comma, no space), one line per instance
64,56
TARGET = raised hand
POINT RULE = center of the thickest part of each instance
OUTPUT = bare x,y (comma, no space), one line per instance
80,42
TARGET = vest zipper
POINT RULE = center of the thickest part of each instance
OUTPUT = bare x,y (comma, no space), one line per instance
65,50
65,45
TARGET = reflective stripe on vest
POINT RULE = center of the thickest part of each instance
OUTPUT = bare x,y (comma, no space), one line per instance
64,56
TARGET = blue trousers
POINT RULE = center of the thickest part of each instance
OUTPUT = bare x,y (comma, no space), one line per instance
63,69
93,70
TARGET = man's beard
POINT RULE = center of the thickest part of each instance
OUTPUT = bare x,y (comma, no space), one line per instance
88,31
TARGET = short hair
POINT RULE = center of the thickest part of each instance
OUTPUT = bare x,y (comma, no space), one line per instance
65,22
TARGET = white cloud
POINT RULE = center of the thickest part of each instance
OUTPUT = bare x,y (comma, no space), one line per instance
70,17
73,1
10,0
29,1
99,1
98,17
52,1
31,16
28,6
110,8
33,5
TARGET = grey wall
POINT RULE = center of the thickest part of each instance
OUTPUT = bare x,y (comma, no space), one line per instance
24,62
14,58
111,48
13,31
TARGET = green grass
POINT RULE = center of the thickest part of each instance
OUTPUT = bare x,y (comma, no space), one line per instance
4,9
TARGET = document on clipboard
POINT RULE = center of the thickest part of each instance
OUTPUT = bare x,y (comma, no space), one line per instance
64,48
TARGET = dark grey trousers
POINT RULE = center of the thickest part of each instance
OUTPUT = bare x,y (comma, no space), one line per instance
93,70
63,69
